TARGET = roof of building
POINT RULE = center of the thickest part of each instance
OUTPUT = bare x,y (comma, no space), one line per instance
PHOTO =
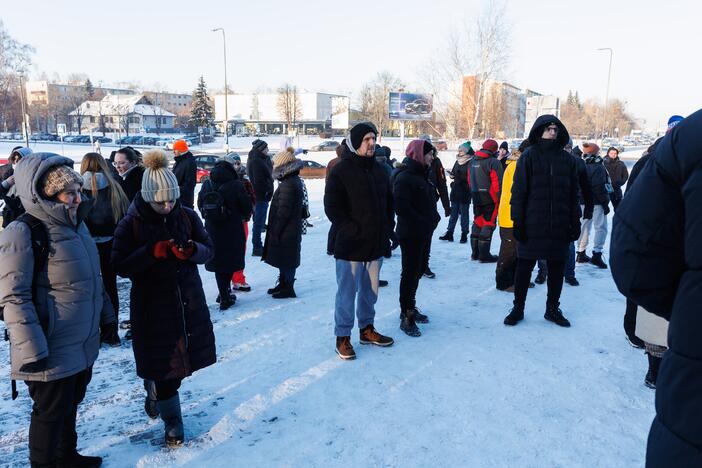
113,104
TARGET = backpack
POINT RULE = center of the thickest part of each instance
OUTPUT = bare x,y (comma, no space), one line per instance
40,250
212,206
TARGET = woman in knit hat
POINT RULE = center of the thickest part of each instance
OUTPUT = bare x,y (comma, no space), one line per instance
284,234
224,204
159,245
53,315
460,194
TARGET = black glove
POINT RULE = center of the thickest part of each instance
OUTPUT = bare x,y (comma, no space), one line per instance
606,209
520,233
37,366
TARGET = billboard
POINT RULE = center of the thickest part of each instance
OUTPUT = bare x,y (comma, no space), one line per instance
411,106
340,112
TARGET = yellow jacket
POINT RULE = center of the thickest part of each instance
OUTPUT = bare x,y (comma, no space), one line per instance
504,212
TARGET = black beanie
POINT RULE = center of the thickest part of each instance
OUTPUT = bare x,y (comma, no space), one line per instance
359,131
259,144
504,145
428,147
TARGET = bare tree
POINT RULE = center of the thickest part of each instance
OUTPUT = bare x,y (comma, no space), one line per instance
75,97
289,105
479,49
375,99
15,59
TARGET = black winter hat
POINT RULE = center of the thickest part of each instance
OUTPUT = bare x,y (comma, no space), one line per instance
259,144
359,131
504,146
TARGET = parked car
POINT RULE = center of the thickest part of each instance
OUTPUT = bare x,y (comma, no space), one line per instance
205,163
313,170
329,145
102,139
418,106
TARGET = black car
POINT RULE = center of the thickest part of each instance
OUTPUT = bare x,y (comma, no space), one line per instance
418,106
330,145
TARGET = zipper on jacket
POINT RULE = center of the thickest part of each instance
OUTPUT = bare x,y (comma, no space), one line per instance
550,198
182,315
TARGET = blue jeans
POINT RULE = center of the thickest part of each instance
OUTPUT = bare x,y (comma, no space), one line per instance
259,220
357,284
462,209
569,263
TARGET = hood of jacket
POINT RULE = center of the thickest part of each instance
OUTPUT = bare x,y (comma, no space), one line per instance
100,180
592,158
417,149
183,157
537,130
223,172
28,177
412,165
287,169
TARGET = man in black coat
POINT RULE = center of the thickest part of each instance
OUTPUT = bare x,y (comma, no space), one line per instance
437,177
546,214
13,206
185,170
618,174
358,202
599,182
259,168
415,205
127,163
657,263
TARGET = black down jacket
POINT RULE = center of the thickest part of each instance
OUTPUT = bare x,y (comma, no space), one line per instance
131,182
185,170
259,168
618,174
358,202
228,237
415,201
545,206
597,175
100,220
656,260
172,333
460,191
284,234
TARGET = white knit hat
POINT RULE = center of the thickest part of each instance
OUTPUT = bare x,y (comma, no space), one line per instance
159,184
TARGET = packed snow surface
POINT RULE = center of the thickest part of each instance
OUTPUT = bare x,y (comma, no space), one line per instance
469,392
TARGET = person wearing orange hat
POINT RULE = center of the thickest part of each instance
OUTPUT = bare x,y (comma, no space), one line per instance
484,180
185,170
601,190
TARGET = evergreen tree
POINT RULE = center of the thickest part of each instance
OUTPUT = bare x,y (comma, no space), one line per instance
201,114
89,89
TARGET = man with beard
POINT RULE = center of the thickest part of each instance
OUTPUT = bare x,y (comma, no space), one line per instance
546,214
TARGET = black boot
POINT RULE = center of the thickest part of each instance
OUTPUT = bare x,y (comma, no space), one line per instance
464,237
572,280
484,252
285,292
150,403
276,288
540,277
229,301
654,363
582,257
447,237
382,283
76,460
428,273
515,315
473,248
173,420
597,260
257,252
407,323
419,317
555,314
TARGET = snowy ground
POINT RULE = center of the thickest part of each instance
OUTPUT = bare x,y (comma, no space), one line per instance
469,392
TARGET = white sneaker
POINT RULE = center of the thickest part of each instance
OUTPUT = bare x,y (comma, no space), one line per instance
243,287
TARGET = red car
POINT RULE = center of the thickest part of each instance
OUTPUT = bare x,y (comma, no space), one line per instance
205,163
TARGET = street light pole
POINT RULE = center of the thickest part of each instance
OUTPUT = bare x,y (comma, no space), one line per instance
226,90
25,120
609,78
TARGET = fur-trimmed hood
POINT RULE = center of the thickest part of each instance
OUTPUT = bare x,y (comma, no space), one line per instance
287,169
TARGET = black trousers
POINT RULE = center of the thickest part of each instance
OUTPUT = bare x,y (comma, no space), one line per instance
52,429
630,318
166,389
223,280
414,255
427,254
523,276
109,277
507,260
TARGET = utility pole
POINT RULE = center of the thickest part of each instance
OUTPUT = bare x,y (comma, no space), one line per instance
609,78
25,120
226,90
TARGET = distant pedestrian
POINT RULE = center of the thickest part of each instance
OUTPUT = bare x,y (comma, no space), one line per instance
618,174
128,164
13,205
239,277
259,167
460,194
600,186
358,202
484,180
185,170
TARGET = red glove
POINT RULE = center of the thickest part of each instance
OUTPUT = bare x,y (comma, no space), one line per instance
183,253
161,249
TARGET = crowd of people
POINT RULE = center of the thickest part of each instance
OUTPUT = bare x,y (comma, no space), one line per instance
68,235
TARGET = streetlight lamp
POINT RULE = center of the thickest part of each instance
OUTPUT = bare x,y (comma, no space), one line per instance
226,89
609,77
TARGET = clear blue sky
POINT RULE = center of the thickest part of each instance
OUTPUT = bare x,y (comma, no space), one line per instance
336,46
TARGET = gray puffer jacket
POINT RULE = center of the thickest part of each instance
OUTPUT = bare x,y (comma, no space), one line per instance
62,323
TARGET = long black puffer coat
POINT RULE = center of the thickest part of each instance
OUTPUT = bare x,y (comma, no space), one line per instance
131,182
460,191
100,220
618,174
358,201
656,261
172,333
13,206
259,167
415,201
185,170
228,235
281,248
545,206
